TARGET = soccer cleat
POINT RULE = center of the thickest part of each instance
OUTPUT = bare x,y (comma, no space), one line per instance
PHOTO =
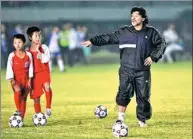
48,113
142,124
17,113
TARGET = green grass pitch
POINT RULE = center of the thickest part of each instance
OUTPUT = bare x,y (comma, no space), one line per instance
77,92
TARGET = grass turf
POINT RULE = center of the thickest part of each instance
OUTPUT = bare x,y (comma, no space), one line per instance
77,92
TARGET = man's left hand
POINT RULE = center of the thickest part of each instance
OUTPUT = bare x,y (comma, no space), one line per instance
148,61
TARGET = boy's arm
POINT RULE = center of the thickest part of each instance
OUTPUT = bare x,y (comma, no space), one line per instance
30,71
29,83
44,54
9,71
13,82
31,65
30,86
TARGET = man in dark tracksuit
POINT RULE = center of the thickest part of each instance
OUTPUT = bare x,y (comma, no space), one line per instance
139,45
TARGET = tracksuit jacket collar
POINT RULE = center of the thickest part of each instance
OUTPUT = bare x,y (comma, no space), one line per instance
132,28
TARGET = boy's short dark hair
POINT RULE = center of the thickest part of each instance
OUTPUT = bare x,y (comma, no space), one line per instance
19,36
31,30
142,12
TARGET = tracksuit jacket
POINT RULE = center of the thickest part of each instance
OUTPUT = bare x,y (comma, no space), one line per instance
135,46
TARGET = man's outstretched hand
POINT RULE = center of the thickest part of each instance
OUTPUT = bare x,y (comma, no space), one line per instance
86,44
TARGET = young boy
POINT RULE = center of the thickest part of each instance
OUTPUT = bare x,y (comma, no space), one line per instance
19,72
41,80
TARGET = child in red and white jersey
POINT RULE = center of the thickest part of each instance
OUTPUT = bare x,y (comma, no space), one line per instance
41,80
19,72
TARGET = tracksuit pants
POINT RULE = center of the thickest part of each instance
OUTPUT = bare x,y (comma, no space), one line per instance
131,81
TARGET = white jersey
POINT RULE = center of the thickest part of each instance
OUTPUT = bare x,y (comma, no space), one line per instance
53,45
170,36
73,39
81,38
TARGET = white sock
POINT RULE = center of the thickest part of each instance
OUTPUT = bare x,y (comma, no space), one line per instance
50,65
121,116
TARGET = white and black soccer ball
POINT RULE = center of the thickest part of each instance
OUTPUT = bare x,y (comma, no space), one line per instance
15,121
100,111
39,119
120,129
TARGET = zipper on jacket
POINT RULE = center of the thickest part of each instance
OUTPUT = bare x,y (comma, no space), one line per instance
136,50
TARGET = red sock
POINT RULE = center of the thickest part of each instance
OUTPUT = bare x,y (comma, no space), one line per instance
17,100
37,107
48,99
23,108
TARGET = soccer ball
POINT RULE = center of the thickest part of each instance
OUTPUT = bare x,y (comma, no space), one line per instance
15,121
100,111
120,129
39,119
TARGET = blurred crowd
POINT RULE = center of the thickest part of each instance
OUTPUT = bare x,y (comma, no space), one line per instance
177,46
64,42
65,45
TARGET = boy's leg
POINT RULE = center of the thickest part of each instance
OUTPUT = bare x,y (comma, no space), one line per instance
48,93
23,101
23,108
37,91
17,97
37,105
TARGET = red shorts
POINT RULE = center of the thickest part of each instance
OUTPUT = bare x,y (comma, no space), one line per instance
22,82
37,83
